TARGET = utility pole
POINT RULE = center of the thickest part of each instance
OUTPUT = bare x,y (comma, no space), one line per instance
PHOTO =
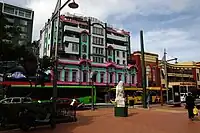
144,80
165,70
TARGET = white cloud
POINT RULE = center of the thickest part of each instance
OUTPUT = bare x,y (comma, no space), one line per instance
176,41
103,8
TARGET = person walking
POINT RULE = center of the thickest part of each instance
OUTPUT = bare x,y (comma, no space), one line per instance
190,105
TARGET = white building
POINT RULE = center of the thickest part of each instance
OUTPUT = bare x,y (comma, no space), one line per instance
87,40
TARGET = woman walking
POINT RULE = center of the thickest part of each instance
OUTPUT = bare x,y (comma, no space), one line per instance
190,105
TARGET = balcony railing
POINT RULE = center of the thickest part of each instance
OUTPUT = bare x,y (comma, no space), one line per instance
71,39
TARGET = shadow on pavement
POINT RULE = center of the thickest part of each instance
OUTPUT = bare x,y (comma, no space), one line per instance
60,128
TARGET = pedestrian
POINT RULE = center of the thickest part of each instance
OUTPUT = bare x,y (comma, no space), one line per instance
148,100
190,105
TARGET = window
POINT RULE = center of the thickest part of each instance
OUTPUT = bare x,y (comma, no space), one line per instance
117,53
23,22
8,9
95,77
10,20
16,100
26,100
7,101
21,13
102,78
124,54
97,40
28,14
118,61
84,38
119,77
59,75
97,31
23,29
133,79
85,76
124,62
198,77
74,76
109,60
16,12
99,51
111,77
66,75
109,52
84,49
84,56
74,47
98,59
125,78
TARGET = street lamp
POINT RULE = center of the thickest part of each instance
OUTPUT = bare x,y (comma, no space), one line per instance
92,76
164,62
144,78
73,5
55,15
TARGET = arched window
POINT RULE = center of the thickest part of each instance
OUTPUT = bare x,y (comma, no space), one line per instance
84,56
84,49
85,76
84,37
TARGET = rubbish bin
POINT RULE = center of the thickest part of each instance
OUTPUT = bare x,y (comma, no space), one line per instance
131,103
121,111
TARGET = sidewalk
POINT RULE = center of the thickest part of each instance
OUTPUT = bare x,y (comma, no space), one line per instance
139,121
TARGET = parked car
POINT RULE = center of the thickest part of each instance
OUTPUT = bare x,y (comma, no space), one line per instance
16,100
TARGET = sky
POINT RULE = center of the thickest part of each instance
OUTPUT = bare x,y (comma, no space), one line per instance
170,24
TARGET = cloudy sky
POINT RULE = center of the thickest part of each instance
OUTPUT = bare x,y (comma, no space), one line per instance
170,24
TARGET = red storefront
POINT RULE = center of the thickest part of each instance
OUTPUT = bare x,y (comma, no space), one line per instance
153,71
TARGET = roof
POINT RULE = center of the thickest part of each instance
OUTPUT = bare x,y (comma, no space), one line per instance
191,63
147,53
18,6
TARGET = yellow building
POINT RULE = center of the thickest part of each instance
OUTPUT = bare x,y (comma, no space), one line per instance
198,74
182,74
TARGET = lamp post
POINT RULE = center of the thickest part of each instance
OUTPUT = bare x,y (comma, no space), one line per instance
55,15
165,61
92,74
143,70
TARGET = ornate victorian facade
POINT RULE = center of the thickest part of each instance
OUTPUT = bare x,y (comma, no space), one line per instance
87,45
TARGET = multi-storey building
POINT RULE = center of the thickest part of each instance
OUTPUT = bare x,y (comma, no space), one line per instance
21,18
152,68
198,74
86,45
182,74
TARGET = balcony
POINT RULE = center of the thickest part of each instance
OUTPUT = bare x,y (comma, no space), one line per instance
115,46
115,37
71,39
76,29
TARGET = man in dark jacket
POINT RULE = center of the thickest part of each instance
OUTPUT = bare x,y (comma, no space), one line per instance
190,105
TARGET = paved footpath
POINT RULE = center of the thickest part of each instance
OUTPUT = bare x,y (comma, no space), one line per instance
139,121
